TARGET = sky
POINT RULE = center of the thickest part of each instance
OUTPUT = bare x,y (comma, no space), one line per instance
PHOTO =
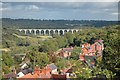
72,10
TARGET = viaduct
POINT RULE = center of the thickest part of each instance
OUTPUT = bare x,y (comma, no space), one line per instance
48,31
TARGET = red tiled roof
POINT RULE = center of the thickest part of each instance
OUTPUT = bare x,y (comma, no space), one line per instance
87,48
36,76
42,75
38,73
37,70
90,50
45,73
29,77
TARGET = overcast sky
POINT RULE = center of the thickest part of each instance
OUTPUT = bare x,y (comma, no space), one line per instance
60,10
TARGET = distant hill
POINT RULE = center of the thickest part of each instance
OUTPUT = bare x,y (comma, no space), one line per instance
31,23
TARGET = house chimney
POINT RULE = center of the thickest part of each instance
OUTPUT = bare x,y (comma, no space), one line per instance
81,57
37,70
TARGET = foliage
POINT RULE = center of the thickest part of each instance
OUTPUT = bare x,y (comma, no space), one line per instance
111,55
83,71
61,42
49,46
38,58
75,53
7,59
6,69
69,37
108,66
7,62
64,63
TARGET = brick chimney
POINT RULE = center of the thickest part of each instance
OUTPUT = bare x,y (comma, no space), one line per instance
37,70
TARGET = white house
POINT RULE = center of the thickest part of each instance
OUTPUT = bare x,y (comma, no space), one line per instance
20,74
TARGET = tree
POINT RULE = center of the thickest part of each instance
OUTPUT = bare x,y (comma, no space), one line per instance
111,55
64,63
83,71
7,62
61,41
49,46
7,59
75,53
38,58
69,36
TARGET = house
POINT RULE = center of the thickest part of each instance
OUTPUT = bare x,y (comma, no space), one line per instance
89,52
24,64
10,75
37,74
45,74
65,70
68,72
20,74
20,56
42,72
24,71
97,47
87,49
53,68
65,52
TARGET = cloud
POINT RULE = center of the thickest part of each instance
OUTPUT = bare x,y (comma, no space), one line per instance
3,9
60,0
18,7
78,5
62,5
58,10
1,3
32,7
115,13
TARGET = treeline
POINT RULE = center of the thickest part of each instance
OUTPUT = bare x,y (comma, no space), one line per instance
31,23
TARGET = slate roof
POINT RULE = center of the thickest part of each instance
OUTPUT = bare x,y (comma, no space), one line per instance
67,70
10,75
90,58
52,66
99,41
67,49
88,47
26,71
